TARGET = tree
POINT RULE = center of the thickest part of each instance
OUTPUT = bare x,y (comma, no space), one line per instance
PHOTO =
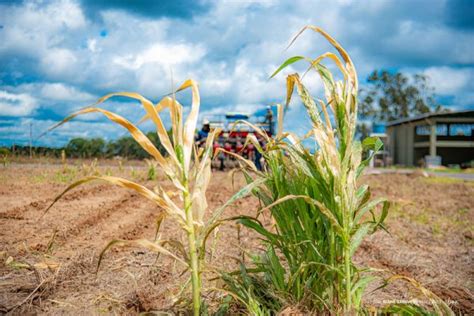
127,147
392,96
95,147
85,148
76,147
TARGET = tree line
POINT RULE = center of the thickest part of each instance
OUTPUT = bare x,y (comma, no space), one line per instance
78,147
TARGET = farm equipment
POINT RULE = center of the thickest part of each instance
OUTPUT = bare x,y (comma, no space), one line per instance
234,132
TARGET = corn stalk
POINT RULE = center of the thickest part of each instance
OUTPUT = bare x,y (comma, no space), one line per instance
338,165
320,214
187,169
316,205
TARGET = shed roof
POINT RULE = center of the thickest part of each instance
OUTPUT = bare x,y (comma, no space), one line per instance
465,113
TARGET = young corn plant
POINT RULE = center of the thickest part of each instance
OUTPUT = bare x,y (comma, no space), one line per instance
63,157
188,169
4,154
318,210
151,173
320,214
5,161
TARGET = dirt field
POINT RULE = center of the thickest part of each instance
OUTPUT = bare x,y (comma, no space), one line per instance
48,263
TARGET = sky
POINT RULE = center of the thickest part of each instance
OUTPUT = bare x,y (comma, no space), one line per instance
58,56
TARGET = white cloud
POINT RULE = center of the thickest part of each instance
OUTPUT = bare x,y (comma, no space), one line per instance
68,13
16,104
162,53
35,27
416,41
59,62
60,98
449,80
62,92
92,45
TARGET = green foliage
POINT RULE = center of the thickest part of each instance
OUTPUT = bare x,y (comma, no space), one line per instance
5,156
65,175
129,148
4,151
94,148
151,174
392,96
5,161
400,310
18,150
320,214
251,290
85,148
312,241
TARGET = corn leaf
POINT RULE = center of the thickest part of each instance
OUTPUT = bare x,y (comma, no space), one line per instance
147,193
288,62
358,236
152,246
203,177
367,207
245,191
138,135
339,48
280,120
255,224
153,114
247,162
191,122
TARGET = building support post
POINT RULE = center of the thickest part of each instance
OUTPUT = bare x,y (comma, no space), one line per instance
433,139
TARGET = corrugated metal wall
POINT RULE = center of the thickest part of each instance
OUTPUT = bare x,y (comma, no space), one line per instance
401,144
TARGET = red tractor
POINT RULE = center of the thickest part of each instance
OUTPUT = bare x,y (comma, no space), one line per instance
234,133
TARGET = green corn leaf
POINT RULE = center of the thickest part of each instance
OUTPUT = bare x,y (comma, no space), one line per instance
358,236
362,283
246,190
254,224
367,207
383,215
288,62
278,272
372,143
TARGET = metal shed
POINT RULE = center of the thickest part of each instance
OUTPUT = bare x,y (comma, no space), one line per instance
434,138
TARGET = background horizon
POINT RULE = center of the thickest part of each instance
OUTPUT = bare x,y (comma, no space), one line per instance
60,55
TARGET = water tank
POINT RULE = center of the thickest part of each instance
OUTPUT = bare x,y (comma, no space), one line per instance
378,128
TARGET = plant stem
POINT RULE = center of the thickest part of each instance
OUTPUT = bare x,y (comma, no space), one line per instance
332,251
193,256
347,268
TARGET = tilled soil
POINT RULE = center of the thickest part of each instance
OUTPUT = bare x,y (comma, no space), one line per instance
49,261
